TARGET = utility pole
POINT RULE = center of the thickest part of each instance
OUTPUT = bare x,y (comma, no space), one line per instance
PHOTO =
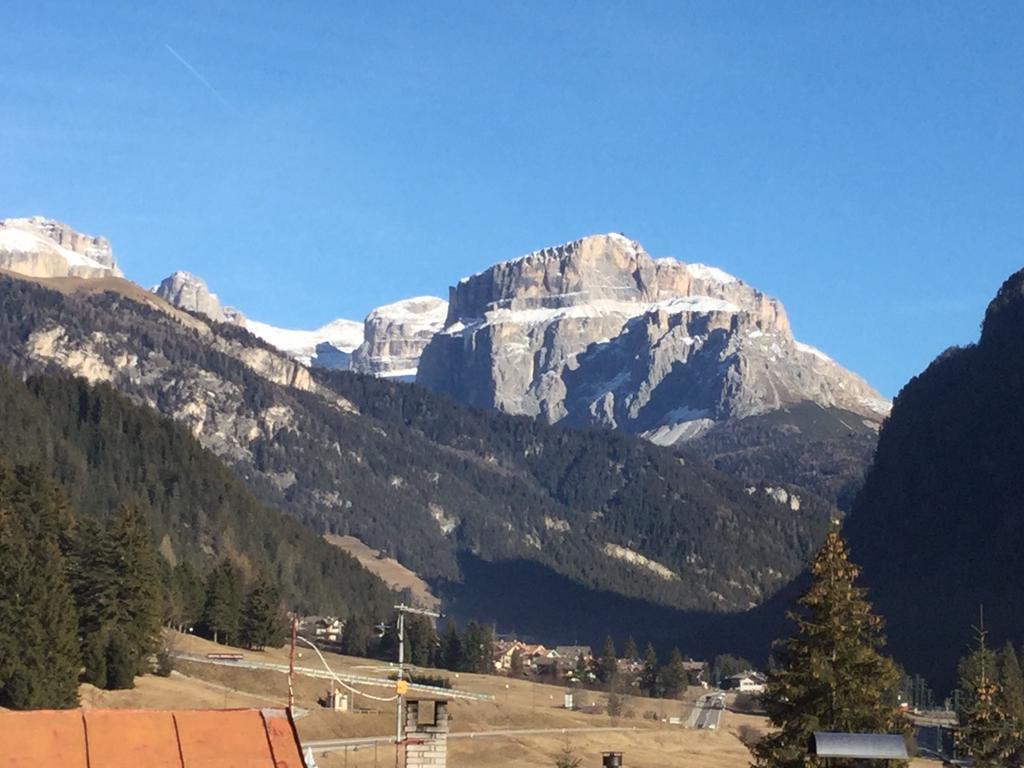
400,688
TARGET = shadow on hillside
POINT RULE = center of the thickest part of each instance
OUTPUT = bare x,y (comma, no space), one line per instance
534,602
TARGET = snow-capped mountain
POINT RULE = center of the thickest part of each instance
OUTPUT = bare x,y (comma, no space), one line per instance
396,335
40,247
596,332
592,332
329,346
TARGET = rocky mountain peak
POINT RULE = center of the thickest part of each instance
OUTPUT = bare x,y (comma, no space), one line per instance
189,292
40,247
597,332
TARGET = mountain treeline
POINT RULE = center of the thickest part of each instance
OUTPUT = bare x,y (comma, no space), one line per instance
103,451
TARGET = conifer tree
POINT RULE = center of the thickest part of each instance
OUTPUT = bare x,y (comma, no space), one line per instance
421,640
221,613
515,664
262,622
672,676
355,636
608,664
39,654
831,674
451,648
988,734
137,586
630,651
1012,683
649,675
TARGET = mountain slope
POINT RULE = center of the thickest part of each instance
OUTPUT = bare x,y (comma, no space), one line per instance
412,473
823,451
104,450
938,525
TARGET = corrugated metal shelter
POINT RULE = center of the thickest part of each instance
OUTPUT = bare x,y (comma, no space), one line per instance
113,738
861,746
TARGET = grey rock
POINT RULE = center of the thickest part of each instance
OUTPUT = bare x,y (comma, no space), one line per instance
596,332
395,336
39,247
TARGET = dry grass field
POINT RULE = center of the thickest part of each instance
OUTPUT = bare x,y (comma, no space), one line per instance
393,573
517,705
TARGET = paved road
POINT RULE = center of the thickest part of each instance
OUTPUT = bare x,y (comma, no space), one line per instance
707,713
448,693
331,745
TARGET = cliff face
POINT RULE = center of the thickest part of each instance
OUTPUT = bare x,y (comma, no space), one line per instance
395,336
596,332
38,247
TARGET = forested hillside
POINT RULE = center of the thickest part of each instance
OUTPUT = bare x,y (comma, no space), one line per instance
104,451
414,474
939,525
824,451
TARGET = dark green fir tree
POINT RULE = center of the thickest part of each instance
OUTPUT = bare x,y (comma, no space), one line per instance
39,653
831,675
988,733
649,682
262,623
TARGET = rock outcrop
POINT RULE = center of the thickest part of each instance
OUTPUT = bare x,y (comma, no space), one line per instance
596,332
395,336
186,291
38,247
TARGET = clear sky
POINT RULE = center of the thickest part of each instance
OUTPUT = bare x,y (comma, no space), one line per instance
863,162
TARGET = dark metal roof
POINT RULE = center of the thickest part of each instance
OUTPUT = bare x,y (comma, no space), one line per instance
864,746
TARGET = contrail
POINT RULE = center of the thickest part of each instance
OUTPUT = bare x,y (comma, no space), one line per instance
200,78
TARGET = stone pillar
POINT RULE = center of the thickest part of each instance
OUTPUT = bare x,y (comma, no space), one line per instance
426,740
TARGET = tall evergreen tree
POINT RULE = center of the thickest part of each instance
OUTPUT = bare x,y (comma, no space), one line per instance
222,611
137,586
451,648
831,675
421,640
649,674
673,675
355,637
630,651
39,654
262,622
1011,682
988,734
608,664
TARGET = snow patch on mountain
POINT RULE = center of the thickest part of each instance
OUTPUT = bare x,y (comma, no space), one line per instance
714,274
341,335
40,247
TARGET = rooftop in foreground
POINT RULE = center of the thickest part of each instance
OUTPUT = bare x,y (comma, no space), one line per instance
155,738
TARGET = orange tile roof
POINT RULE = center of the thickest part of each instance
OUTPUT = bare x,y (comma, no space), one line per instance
111,738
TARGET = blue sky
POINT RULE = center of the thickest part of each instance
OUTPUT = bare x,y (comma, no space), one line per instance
863,162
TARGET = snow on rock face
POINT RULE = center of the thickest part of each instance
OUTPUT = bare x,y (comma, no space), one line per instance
396,334
596,332
39,247
329,346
